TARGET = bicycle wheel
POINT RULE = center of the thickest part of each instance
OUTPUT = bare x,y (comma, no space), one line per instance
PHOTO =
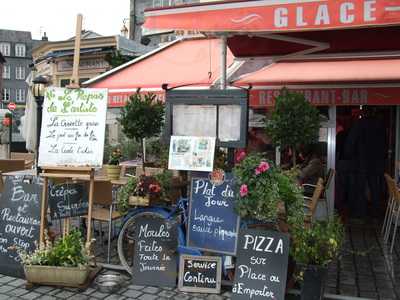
126,239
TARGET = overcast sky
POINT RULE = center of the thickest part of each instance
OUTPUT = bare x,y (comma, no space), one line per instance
58,17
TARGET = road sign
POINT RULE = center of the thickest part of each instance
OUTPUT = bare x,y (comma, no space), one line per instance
11,106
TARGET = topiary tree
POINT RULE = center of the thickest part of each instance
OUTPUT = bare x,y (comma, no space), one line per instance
142,117
293,122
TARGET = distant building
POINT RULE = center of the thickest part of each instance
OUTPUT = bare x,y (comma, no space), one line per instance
2,62
136,20
16,47
55,59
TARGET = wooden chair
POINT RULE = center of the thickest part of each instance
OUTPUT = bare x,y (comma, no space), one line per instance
10,165
394,212
310,203
389,206
29,158
103,211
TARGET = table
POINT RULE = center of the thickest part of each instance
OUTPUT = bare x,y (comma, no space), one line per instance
28,172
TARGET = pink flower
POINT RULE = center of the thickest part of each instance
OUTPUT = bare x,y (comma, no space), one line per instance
262,167
240,156
243,190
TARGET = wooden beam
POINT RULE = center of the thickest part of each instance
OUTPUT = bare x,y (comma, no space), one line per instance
77,53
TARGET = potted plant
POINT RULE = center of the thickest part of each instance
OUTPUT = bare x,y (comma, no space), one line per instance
293,122
66,262
313,248
113,168
142,117
266,193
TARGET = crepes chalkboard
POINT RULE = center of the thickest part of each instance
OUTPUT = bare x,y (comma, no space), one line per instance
155,260
261,265
213,223
200,274
19,223
68,200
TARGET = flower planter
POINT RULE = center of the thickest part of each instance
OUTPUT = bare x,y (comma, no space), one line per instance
113,171
314,283
49,275
139,201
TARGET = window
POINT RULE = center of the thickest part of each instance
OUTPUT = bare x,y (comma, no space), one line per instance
20,96
20,50
6,95
64,82
20,73
6,72
5,49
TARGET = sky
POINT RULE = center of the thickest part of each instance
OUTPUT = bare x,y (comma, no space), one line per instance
58,17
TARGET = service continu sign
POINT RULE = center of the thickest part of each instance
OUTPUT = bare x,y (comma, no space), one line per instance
73,127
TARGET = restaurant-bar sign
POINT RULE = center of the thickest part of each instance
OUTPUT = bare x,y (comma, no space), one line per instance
282,15
73,127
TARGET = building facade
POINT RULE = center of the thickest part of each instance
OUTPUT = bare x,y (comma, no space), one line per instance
2,62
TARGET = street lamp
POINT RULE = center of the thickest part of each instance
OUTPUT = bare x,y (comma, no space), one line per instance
38,88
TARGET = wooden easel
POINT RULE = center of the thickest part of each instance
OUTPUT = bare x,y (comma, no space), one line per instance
73,173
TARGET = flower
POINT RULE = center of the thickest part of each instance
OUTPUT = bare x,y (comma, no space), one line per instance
240,156
243,190
262,167
154,188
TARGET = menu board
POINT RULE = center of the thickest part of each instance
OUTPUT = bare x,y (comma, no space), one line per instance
73,127
261,265
68,200
191,153
155,261
19,223
200,274
213,223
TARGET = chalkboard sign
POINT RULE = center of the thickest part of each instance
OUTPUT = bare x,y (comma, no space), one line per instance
73,127
155,261
213,223
68,200
261,265
200,274
19,223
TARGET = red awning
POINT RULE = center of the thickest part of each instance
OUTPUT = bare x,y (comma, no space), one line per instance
191,62
275,15
302,72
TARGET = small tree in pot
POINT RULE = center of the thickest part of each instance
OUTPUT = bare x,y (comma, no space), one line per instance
293,122
141,118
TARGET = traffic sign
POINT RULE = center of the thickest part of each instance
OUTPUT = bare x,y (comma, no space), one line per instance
11,106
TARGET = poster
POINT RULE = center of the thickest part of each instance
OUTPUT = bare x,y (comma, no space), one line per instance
229,123
191,153
73,127
186,120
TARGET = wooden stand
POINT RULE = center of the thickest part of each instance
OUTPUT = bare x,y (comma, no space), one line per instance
75,173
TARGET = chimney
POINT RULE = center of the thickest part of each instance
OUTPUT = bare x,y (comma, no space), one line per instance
44,37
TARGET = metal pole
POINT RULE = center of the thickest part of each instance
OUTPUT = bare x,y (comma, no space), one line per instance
39,105
10,135
223,61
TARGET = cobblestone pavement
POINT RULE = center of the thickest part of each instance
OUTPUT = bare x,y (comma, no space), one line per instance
366,270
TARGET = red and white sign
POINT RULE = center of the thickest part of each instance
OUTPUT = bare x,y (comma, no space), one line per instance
276,15
331,96
11,106
119,99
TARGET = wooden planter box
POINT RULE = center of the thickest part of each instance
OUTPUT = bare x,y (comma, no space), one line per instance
62,276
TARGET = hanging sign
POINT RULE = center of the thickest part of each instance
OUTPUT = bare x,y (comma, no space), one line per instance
191,153
155,261
68,200
73,127
19,223
200,274
261,265
213,223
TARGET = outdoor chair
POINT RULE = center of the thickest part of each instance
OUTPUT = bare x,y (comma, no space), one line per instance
310,203
394,213
389,205
327,184
11,165
29,158
103,209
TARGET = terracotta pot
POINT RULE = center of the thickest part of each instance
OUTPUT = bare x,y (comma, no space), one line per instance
56,275
113,171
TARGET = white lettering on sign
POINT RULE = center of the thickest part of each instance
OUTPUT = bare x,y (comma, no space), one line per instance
322,16
263,244
369,10
281,17
300,17
346,16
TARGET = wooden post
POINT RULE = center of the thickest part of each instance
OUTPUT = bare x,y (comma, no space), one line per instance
89,219
77,53
43,211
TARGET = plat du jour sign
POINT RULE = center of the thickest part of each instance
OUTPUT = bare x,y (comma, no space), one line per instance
73,127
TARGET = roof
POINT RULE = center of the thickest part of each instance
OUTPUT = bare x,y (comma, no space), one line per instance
15,35
182,62
331,71
87,34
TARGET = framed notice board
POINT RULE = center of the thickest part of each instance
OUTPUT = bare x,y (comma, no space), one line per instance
200,274
222,114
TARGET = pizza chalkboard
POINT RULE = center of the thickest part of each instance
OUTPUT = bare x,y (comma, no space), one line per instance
261,265
200,274
213,223
19,223
155,261
68,200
